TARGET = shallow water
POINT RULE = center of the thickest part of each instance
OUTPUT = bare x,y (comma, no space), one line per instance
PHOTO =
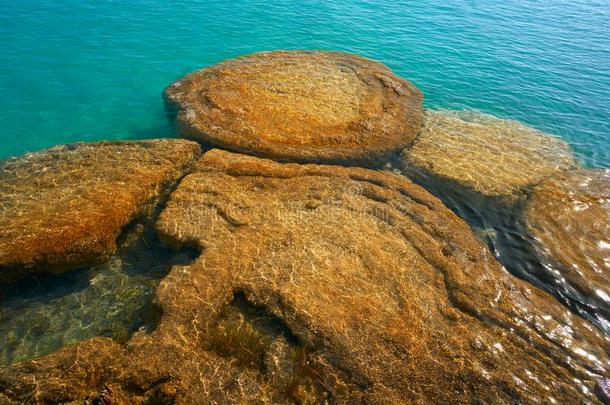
41,314
83,70
485,170
88,70
503,229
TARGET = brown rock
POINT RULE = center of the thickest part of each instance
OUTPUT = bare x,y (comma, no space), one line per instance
323,283
569,217
487,155
306,106
64,207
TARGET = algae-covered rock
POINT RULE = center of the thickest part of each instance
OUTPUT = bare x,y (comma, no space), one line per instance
490,156
327,284
569,217
299,106
64,207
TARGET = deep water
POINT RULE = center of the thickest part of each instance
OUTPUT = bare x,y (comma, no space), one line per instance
89,70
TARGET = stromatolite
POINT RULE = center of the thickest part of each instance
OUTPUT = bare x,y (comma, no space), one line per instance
64,207
310,106
480,153
569,217
323,283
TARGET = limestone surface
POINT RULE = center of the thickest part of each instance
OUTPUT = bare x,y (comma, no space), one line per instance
569,217
64,207
324,284
309,106
491,156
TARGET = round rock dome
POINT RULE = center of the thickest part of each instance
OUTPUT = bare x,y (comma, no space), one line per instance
304,106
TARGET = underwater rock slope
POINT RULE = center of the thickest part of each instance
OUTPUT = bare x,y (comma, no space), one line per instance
327,283
64,207
490,156
569,218
306,106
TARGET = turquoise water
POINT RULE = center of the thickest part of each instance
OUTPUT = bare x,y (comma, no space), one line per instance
89,70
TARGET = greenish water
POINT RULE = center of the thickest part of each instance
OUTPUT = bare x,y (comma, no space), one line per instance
89,70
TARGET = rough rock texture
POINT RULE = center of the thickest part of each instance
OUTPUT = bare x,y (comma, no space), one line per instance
64,207
490,156
569,217
299,106
327,284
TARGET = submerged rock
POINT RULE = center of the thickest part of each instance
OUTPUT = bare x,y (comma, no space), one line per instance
310,106
43,313
569,218
323,283
483,168
64,207
483,154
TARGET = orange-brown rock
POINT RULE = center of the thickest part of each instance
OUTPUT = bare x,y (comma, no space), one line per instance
310,106
569,217
327,284
64,207
489,156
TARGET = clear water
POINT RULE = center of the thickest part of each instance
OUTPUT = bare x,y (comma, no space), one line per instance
41,314
89,70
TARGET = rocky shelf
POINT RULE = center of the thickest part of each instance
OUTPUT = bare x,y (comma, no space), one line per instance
313,280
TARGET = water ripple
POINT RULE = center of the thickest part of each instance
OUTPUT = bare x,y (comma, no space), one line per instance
87,70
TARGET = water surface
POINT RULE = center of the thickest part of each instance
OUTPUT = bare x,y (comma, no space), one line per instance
89,70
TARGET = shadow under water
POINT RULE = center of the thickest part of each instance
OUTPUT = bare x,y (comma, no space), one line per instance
500,224
255,337
39,315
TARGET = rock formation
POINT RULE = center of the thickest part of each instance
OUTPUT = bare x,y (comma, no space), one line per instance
483,154
327,284
64,207
305,106
569,217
